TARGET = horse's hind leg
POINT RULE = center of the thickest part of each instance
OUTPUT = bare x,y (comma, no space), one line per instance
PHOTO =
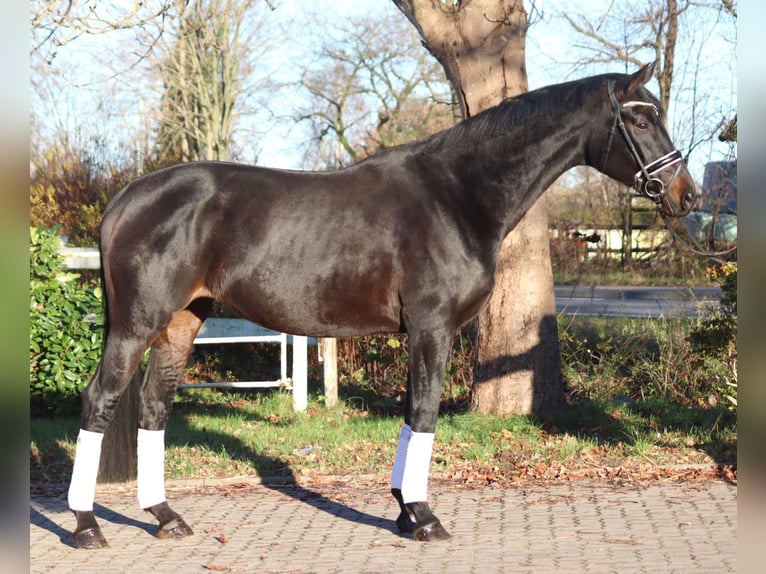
409,478
120,361
170,352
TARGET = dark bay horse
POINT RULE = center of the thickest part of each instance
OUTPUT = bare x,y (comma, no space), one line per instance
405,241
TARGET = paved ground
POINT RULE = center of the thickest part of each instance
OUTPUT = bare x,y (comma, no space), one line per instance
538,528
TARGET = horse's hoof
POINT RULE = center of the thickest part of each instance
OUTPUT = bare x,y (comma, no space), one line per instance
405,524
89,538
431,533
171,524
417,518
174,528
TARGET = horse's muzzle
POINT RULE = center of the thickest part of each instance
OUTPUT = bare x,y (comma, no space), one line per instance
681,197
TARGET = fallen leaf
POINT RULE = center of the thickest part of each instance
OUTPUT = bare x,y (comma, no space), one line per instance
215,568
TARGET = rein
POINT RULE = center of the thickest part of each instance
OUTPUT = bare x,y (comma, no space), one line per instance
650,186
691,244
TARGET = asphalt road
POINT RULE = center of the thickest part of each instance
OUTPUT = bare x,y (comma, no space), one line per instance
636,301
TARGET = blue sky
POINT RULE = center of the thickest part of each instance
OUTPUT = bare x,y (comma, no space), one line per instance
551,58
709,79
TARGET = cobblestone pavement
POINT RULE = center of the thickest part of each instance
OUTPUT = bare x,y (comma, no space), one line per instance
537,528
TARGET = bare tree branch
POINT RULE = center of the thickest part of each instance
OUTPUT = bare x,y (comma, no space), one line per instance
62,21
206,73
374,88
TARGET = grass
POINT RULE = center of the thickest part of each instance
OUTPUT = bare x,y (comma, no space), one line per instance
637,278
642,403
235,433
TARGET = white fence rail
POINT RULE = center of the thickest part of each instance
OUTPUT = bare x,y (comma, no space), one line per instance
227,331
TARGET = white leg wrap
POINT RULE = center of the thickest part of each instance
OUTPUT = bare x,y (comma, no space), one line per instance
401,456
82,489
412,463
151,467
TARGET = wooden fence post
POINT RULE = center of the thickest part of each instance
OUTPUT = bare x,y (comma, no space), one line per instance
329,353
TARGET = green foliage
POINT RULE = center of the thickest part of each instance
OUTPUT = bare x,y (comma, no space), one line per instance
602,357
66,327
640,359
375,368
718,332
715,338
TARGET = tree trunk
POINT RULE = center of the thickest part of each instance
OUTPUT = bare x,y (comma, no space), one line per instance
481,45
518,369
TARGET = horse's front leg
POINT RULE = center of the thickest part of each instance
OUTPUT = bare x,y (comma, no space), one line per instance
409,478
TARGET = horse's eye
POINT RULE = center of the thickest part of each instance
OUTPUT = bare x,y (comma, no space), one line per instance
642,126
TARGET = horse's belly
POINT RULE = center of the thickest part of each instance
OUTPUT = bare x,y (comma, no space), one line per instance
304,303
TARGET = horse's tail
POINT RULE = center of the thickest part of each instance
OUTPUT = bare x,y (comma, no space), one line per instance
119,445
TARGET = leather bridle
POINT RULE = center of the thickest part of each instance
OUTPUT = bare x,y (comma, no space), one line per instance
644,181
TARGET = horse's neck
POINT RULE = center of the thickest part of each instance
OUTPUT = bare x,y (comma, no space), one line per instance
512,171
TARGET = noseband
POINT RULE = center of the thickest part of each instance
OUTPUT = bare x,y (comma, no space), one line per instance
644,180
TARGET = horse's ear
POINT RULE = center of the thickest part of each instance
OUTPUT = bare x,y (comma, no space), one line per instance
640,78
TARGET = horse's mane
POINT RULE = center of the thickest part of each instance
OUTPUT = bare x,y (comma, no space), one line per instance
519,110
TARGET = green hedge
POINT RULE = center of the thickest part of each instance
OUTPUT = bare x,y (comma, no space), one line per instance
716,335
66,328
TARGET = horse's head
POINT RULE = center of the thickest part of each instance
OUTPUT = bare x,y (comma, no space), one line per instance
637,149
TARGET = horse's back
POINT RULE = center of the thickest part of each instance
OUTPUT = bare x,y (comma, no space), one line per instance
297,251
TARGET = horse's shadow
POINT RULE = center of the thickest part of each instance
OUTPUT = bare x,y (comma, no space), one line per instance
38,518
103,513
335,508
279,476
285,483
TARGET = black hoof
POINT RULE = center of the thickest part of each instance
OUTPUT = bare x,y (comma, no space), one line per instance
171,523
431,533
88,534
175,528
90,538
416,518
404,524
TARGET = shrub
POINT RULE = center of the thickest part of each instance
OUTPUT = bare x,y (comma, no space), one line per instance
645,359
715,338
70,187
72,183
377,364
66,327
